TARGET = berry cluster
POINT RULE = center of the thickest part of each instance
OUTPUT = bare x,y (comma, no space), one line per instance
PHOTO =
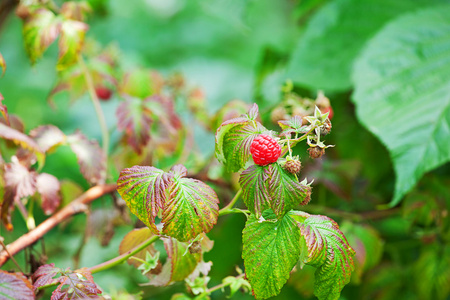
265,150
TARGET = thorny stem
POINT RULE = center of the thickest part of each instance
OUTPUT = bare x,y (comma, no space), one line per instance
98,109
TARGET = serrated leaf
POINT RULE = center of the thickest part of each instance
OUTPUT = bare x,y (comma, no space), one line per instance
144,190
402,93
19,138
15,286
192,208
135,120
70,42
335,35
91,157
271,186
270,251
285,191
330,253
3,66
19,183
40,30
49,188
255,194
48,137
78,284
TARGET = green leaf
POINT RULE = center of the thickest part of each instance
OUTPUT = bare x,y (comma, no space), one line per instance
234,138
192,207
70,42
335,35
255,193
149,263
40,30
15,286
141,83
330,253
236,284
270,251
403,96
272,187
144,190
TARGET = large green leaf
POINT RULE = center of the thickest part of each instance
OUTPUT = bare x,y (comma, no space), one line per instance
334,36
255,193
143,189
402,93
271,249
192,207
330,253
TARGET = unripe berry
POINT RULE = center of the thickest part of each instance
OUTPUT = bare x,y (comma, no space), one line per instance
316,152
325,128
293,166
265,150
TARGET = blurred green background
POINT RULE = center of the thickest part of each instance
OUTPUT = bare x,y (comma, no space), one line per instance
384,65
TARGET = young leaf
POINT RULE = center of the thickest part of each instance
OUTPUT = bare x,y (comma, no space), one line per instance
144,190
270,251
48,137
255,193
90,157
78,284
15,286
70,42
40,29
402,75
192,207
237,284
135,120
133,239
330,253
49,188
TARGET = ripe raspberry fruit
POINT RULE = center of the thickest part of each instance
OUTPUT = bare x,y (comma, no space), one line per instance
265,150
103,93
293,166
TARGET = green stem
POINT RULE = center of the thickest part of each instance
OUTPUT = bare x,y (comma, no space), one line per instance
122,258
98,109
229,206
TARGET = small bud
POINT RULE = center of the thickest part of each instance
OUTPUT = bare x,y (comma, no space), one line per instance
316,152
293,166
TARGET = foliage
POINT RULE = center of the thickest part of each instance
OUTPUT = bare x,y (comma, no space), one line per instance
101,96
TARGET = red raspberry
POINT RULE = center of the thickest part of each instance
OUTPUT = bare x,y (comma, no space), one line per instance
103,93
265,150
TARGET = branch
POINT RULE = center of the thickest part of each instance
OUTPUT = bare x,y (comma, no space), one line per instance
76,206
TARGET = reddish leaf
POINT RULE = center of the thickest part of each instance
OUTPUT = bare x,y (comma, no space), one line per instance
15,286
44,275
19,138
19,183
48,137
90,157
135,120
78,284
75,10
49,188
